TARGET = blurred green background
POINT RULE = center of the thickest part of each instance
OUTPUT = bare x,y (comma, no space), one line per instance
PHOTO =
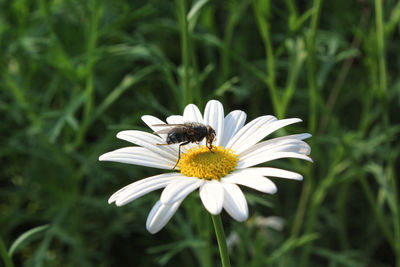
74,73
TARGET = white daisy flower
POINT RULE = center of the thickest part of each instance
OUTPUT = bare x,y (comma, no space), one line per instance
216,173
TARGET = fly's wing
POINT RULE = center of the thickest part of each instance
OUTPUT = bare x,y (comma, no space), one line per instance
169,127
163,131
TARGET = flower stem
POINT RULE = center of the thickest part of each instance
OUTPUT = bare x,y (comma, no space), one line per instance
219,232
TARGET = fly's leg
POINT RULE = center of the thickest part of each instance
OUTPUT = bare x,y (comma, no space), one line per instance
179,155
210,146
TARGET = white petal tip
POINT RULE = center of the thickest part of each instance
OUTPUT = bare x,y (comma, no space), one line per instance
153,231
120,203
214,209
106,157
273,191
144,117
241,219
120,135
214,212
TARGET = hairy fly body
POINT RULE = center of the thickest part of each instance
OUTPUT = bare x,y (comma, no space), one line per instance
188,132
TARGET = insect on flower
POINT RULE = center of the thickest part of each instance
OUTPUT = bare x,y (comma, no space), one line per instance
237,149
188,132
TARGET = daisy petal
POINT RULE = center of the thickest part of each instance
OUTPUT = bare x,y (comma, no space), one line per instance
252,180
234,202
214,116
179,189
272,146
160,215
260,133
137,156
192,114
233,122
151,120
212,196
275,172
149,141
277,141
142,187
251,161
248,129
175,119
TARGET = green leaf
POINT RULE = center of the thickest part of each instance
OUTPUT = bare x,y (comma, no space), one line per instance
26,237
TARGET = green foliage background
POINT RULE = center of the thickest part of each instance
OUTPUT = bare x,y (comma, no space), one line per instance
74,73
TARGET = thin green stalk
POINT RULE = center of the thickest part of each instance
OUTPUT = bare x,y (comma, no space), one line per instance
219,232
313,95
381,47
225,59
203,230
4,254
271,72
308,186
317,199
92,34
184,31
262,15
302,207
313,91
394,208
235,13
296,61
376,210
292,9
341,206
380,36
21,100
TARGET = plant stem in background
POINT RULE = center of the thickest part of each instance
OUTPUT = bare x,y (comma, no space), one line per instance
313,96
219,232
92,35
262,11
183,26
381,47
4,254
313,90
307,188
383,95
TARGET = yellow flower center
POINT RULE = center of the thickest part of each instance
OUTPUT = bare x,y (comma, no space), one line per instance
200,162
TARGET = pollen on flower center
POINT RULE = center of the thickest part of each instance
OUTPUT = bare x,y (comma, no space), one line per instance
203,163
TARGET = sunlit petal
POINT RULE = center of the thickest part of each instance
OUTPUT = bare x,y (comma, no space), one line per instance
234,202
212,196
214,116
160,215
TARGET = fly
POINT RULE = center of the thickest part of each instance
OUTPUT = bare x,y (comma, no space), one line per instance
188,132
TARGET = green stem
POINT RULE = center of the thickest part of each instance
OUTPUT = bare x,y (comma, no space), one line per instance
309,183
4,254
183,24
219,232
262,16
311,65
92,33
203,230
383,95
381,47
